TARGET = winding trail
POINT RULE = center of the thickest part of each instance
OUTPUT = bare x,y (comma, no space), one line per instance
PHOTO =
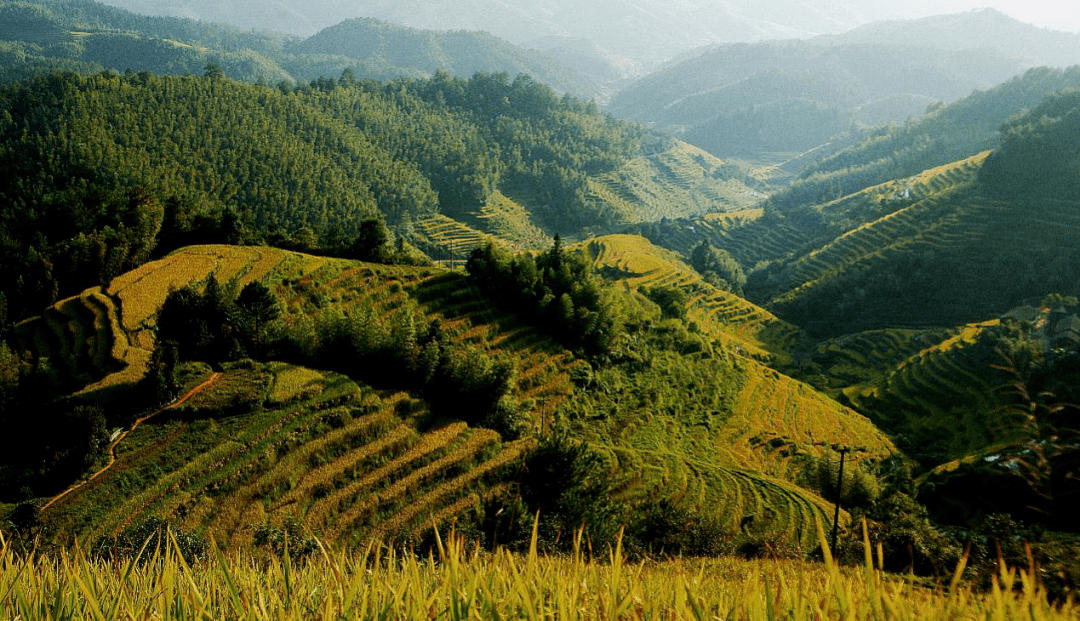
112,447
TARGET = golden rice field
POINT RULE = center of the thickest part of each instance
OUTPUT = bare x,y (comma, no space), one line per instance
510,221
347,461
777,417
457,582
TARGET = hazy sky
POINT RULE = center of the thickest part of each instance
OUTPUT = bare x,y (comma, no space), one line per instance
1054,14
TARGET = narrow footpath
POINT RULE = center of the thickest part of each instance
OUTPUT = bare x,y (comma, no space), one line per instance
112,447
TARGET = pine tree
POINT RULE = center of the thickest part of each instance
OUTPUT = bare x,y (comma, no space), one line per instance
259,306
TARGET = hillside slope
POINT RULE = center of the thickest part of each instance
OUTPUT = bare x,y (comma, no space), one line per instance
368,460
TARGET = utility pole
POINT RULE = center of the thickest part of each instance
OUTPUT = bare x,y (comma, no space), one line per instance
839,490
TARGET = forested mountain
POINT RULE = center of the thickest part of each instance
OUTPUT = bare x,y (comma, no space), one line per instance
83,35
458,53
310,163
749,99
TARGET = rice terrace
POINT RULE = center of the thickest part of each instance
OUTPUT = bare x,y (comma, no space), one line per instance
612,310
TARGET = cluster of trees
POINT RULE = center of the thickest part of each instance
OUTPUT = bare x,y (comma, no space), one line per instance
218,324
718,267
556,291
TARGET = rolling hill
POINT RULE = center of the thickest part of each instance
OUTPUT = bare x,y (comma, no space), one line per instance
263,442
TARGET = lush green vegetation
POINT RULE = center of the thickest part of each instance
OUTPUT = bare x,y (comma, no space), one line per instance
558,290
149,163
610,384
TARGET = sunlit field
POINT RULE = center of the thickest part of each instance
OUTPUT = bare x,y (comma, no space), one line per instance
456,582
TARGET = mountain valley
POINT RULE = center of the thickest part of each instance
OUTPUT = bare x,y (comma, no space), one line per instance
379,282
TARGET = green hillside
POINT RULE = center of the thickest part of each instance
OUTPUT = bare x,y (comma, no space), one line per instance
353,456
952,258
946,134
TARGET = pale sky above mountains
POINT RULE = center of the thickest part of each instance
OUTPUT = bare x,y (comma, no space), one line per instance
1053,14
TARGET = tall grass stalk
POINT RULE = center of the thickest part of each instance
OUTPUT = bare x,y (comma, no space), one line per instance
459,582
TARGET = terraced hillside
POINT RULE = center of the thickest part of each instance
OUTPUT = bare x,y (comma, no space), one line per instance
774,417
117,325
851,362
740,325
450,241
882,216
348,461
107,334
956,256
755,237
752,235
943,401
351,461
676,183
753,504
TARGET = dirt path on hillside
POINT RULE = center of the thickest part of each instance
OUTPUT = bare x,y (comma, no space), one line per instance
112,447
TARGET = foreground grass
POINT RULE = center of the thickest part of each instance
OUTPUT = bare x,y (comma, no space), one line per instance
459,584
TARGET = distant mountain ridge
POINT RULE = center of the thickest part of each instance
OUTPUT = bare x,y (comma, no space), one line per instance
461,53
731,99
648,31
101,37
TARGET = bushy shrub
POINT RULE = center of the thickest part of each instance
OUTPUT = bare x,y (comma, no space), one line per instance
153,532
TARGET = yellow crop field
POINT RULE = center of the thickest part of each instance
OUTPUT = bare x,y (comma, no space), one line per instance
460,583
729,219
142,291
511,221
400,487
429,443
773,407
